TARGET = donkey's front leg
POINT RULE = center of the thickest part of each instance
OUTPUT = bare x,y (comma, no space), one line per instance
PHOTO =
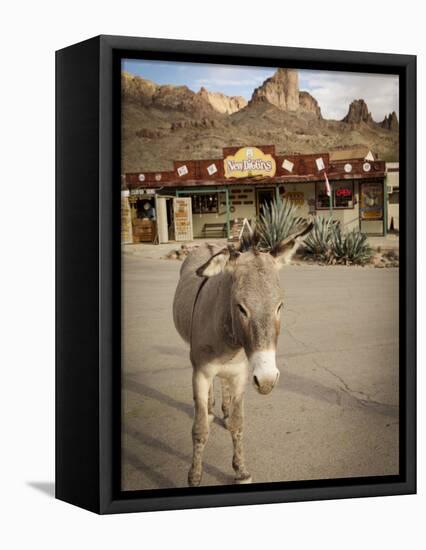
235,426
226,400
211,402
200,428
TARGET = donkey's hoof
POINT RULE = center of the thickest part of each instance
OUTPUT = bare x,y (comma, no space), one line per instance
226,422
243,480
194,479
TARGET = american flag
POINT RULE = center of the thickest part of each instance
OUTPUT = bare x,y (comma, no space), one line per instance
327,185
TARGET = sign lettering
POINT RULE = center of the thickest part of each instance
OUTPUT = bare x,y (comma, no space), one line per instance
249,162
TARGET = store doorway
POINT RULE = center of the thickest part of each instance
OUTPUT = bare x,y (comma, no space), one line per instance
372,207
263,197
164,206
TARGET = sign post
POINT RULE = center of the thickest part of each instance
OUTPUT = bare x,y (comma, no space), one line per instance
385,208
277,194
329,193
228,223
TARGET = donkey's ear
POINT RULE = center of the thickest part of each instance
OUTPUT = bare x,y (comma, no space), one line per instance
219,262
285,250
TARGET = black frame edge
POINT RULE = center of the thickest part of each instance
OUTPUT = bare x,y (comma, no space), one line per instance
409,280
77,288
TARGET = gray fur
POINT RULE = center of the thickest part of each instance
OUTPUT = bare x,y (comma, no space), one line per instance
214,285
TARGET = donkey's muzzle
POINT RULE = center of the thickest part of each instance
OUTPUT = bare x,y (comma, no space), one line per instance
265,372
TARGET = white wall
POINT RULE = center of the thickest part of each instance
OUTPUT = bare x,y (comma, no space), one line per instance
30,32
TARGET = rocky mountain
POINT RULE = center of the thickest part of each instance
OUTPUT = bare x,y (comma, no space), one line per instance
358,112
223,103
281,90
162,123
309,104
181,98
137,89
165,97
390,122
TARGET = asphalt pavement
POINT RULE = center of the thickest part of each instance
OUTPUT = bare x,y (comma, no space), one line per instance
333,414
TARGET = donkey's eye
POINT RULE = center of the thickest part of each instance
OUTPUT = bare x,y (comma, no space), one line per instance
242,310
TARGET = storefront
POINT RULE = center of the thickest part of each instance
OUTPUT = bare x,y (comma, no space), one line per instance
210,198
392,189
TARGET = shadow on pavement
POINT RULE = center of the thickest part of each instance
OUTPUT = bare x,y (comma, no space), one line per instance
145,439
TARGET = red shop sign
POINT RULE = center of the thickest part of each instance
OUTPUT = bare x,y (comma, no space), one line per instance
343,193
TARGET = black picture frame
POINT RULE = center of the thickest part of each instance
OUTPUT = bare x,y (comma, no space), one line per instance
88,300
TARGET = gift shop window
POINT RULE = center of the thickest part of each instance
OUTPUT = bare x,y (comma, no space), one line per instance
205,204
342,195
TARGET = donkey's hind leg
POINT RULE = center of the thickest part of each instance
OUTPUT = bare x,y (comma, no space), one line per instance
200,428
226,400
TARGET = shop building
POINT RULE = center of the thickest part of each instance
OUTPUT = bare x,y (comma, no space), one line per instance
210,198
392,183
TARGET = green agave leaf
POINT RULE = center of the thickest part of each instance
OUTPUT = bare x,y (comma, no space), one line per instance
276,222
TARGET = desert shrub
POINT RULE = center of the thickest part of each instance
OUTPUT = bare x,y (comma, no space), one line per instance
318,242
328,243
350,248
277,221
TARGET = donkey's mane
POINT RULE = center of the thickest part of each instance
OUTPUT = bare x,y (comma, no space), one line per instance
249,242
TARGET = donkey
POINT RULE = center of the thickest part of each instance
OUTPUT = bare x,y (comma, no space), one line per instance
227,306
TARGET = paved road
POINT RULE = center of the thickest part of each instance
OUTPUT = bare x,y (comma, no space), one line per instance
333,414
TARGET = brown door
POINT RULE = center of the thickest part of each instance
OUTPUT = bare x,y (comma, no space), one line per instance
264,196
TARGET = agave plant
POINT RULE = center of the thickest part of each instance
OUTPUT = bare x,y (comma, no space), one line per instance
276,222
350,248
318,243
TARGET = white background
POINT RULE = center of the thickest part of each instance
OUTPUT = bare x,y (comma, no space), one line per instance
30,32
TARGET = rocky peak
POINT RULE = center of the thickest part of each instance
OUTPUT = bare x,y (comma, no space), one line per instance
309,104
180,98
358,112
390,122
137,89
144,92
281,90
221,102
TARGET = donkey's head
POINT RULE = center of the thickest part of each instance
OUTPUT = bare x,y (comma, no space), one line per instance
256,301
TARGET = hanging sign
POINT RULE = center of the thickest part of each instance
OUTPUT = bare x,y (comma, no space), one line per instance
297,197
211,169
142,192
288,165
182,170
249,162
320,164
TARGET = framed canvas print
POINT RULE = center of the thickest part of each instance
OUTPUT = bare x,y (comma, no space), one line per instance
235,274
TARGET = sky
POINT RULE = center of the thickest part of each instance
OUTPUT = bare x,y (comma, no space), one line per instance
334,90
